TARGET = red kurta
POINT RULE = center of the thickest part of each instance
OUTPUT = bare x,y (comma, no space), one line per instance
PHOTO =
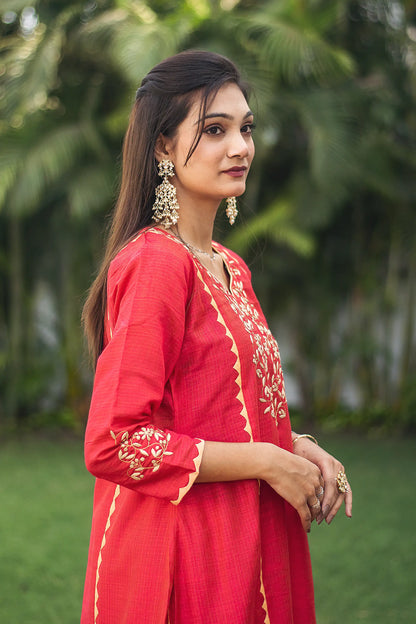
185,361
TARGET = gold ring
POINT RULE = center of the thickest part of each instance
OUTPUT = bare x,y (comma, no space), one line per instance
317,505
342,482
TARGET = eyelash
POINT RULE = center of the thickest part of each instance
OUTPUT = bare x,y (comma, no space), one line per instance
250,126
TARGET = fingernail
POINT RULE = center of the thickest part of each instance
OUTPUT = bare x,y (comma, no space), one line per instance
326,510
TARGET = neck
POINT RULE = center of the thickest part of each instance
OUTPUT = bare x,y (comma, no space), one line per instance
196,226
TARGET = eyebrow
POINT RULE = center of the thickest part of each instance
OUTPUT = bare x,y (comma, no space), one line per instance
224,116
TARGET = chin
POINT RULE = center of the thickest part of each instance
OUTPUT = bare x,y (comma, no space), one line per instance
238,191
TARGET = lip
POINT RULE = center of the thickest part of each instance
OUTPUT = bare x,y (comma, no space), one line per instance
236,172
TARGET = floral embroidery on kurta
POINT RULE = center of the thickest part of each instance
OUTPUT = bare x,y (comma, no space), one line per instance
266,356
144,450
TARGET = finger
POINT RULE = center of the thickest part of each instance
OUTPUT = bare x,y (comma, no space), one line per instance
315,507
348,503
343,496
305,516
329,499
320,493
335,508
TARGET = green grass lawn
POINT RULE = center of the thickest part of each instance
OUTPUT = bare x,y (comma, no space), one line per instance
45,515
364,568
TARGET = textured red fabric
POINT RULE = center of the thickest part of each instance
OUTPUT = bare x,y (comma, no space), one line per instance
186,360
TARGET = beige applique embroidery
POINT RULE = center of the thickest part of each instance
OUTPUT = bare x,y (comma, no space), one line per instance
266,356
143,450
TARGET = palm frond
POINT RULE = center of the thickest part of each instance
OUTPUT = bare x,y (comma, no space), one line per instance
90,190
134,42
386,161
31,71
332,138
138,47
45,161
97,33
11,154
292,52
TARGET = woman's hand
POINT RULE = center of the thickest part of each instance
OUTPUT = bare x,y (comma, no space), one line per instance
329,467
298,480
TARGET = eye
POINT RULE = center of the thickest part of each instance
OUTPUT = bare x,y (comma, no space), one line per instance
213,130
248,128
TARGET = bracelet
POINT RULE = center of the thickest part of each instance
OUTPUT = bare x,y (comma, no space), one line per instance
305,435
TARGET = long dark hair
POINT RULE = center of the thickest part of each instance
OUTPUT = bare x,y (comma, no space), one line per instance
162,102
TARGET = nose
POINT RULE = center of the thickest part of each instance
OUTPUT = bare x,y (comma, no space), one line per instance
238,146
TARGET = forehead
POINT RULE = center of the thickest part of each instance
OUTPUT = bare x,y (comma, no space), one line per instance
229,100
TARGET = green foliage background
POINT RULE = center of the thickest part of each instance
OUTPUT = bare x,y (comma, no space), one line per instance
327,223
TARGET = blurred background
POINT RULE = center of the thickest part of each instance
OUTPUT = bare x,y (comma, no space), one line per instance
327,226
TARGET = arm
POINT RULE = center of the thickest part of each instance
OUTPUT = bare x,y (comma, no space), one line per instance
329,467
296,479
147,295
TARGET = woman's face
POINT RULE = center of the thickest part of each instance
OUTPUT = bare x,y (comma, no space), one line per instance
219,165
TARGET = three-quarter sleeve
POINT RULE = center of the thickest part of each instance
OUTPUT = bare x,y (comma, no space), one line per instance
149,286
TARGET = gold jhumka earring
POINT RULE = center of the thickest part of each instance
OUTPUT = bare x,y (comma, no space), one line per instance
165,208
231,210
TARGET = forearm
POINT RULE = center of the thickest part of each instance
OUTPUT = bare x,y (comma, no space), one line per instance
232,461
294,478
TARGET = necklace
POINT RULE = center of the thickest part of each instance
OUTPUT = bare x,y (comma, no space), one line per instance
212,255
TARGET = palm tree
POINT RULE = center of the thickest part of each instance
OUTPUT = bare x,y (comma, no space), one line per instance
331,143
70,73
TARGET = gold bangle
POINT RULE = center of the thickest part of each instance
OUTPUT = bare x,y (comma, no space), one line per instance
305,435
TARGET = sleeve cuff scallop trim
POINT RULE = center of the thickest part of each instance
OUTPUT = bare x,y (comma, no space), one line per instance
193,475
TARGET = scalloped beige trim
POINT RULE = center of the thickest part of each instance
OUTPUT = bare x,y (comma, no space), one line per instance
237,365
193,475
263,593
107,526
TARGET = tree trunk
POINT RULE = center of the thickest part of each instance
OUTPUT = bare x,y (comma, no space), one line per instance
16,290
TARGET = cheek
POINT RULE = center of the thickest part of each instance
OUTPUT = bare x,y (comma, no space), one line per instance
251,152
203,161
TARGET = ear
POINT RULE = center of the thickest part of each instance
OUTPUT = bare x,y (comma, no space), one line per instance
162,148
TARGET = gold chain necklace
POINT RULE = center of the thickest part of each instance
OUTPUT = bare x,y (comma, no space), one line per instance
212,255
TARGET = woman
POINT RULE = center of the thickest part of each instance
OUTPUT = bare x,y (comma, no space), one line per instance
202,500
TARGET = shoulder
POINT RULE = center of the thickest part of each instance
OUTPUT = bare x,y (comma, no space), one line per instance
151,265
152,250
